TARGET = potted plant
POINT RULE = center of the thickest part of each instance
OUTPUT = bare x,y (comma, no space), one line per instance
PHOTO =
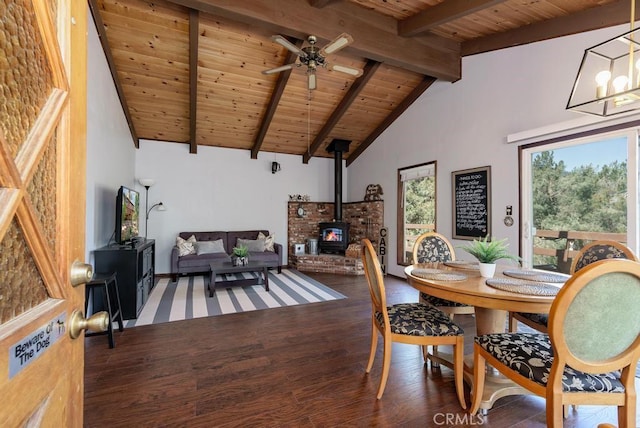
240,255
488,252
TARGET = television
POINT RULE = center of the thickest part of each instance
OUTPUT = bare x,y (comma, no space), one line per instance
127,215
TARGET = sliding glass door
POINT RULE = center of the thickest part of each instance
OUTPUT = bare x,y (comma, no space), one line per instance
577,191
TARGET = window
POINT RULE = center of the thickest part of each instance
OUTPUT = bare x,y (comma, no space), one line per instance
416,206
575,192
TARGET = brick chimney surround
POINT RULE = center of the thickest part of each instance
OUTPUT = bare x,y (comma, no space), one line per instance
365,219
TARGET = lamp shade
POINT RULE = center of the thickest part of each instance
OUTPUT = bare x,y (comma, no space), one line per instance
146,182
608,81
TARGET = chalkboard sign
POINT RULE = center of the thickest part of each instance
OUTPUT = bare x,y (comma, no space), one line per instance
471,203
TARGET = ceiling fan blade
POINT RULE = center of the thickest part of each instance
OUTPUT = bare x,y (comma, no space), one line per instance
279,69
312,81
344,69
281,40
342,41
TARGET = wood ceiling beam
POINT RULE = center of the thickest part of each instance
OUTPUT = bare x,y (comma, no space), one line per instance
194,20
322,3
441,14
278,90
97,19
357,86
587,20
406,102
375,35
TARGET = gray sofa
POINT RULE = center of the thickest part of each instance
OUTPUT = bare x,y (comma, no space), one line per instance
194,263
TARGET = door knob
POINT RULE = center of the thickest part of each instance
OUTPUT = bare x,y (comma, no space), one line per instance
81,273
78,323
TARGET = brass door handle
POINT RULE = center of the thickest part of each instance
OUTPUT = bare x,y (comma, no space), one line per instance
96,322
81,273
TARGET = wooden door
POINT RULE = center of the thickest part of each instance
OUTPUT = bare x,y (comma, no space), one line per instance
42,198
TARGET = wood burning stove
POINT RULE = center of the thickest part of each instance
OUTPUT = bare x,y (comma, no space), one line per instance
334,236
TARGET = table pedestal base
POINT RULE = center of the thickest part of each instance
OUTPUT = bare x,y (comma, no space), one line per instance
496,385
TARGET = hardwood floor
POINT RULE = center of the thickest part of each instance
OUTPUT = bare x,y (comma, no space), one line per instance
299,366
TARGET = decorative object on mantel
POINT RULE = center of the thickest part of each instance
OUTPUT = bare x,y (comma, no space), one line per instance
374,193
299,198
300,211
240,256
353,250
594,91
488,252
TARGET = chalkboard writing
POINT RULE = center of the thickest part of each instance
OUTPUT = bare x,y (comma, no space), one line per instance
471,203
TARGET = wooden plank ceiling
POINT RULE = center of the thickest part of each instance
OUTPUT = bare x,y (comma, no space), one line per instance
190,71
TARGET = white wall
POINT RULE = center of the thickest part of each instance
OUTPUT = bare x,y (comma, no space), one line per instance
110,149
223,189
465,125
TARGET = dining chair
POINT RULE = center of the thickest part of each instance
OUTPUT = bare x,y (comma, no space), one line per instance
411,323
589,355
434,247
592,252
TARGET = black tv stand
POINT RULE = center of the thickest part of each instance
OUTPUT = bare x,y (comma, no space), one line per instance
134,264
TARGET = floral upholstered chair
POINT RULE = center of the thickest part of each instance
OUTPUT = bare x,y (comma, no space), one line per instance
411,323
434,247
592,252
591,351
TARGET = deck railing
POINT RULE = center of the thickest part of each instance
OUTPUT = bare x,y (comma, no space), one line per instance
555,249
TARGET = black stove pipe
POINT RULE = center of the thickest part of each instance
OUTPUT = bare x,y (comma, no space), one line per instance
337,147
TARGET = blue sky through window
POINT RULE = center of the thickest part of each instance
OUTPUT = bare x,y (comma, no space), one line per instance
597,154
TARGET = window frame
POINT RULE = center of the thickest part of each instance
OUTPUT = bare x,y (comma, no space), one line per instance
400,205
632,134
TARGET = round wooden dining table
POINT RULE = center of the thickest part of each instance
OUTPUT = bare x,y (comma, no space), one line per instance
491,308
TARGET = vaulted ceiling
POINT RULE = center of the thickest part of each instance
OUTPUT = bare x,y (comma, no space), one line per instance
190,71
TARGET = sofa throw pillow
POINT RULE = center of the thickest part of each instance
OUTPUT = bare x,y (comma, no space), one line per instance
185,246
255,245
268,241
208,247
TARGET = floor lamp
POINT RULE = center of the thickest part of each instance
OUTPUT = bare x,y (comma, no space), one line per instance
148,182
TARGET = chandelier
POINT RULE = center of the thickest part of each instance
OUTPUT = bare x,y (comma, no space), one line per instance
608,81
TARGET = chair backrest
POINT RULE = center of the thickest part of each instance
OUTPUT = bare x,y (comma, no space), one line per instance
600,250
373,272
433,247
594,323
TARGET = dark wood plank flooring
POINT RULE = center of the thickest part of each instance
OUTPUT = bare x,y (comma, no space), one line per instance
300,366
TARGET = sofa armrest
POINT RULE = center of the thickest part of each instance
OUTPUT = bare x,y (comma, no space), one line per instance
277,248
174,260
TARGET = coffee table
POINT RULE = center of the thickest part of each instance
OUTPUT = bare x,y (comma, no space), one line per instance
220,267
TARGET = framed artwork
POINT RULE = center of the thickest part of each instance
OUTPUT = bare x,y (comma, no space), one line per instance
471,203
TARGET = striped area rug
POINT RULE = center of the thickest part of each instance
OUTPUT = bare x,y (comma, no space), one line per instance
189,297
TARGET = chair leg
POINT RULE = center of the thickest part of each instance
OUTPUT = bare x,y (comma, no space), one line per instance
513,323
555,412
107,298
386,363
458,368
374,345
479,370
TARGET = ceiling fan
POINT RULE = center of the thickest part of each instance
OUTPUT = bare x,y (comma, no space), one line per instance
314,57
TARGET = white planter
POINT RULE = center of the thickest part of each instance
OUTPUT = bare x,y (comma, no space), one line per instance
487,270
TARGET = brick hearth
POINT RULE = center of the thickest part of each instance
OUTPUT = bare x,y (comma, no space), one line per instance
327,263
